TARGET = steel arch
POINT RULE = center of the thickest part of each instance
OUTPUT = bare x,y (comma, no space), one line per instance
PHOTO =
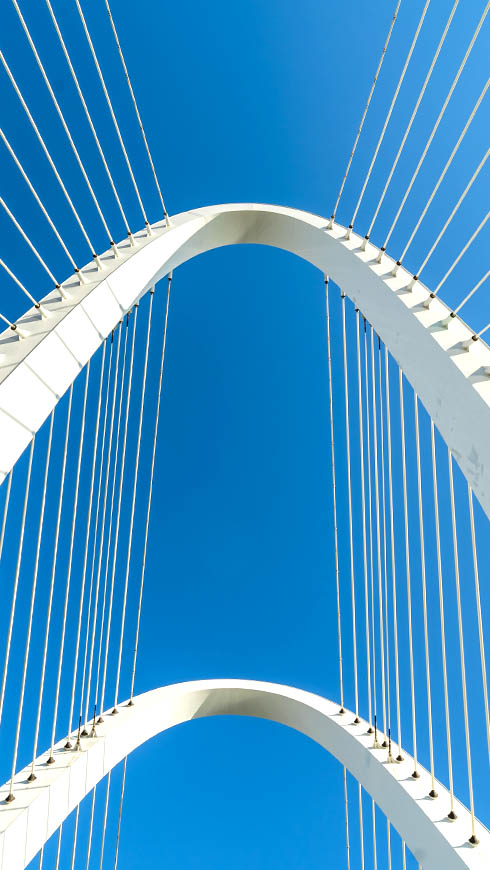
42,805
446,368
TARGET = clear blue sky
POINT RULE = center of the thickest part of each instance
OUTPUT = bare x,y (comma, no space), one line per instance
250,101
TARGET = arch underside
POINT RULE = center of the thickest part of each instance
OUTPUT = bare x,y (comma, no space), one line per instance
42,805
447,370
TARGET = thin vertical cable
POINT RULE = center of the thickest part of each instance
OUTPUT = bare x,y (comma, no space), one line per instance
370,505
31,608
433,792
334,498
51,585
135,105
363,502
378,540
70,557
479,616
390,110
152,469
109,104
346,805
385,560
442,619
361,125
104,823
415,773
393,562
361,826
116,855
87,537
349,491
121,482
20,549
5,511
473,838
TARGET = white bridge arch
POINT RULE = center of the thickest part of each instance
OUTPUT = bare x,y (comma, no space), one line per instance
41,806
447,369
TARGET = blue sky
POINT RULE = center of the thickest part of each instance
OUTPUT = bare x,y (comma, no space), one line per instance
257,101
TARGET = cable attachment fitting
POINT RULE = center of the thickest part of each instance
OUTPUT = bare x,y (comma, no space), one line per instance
364,243
473,840
10,797
349,232
93,732
81,277
149,230
394,271
330,223
412,283
97,260
115,250
390,758
429,299
447,320
433,794
376,744
380,255
131,239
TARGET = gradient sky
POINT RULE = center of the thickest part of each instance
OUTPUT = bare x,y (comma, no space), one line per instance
250,101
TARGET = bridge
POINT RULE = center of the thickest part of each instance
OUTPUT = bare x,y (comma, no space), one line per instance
82,396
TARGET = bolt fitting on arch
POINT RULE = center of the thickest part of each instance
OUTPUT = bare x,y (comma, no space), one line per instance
413,282
380,255
364,243
349,232
115,250
394,271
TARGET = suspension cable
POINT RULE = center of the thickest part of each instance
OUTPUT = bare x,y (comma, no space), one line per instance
346,806
334,497
27,239
47,153
479,616
24,289
123,783
104,822
415,773
87,536
390,110
88,115
449,219
114,120
361,826
436,125
364,536
51,585
99,699
378,542
90,828
452,814
370,506
432,793
36,196
16,577
140,122
75,837
470,294
31,608
361,125
5,511
442,176
413,115
62,119
393,563
473,838
70,559
349,491
461,254
118,515
150,487
104,510
385,560
97,509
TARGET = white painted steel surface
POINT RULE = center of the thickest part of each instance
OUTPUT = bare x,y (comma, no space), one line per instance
450,379
40,807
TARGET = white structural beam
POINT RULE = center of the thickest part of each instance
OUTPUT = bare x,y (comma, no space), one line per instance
446,368
40,806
